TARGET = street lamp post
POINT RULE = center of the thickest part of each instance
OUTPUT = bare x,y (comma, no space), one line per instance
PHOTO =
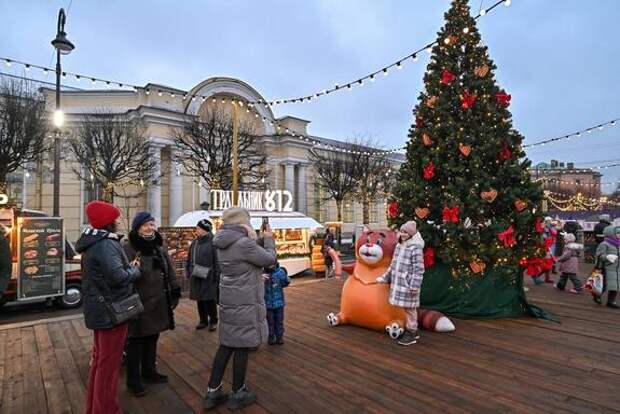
63,47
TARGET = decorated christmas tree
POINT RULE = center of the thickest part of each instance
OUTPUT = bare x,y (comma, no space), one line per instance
466,183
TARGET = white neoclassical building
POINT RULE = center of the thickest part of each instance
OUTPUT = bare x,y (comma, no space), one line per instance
162,108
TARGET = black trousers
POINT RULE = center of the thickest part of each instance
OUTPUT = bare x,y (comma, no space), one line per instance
611,296
141,357
240,366
207,311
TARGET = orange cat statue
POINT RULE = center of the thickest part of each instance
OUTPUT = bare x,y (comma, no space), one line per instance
364,302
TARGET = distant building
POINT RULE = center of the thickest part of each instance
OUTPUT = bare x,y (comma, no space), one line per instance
565,178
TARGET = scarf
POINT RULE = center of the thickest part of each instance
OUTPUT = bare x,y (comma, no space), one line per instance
613,241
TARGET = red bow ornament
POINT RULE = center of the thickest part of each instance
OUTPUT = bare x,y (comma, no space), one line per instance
468,100
508,237
393,209
502,98
549,242
505,153
429,170
538,226
451,215
447,77
429,257
419,121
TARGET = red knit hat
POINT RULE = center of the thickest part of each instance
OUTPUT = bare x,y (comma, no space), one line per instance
101,214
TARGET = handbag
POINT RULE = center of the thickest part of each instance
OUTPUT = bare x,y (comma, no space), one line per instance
199,271
125,309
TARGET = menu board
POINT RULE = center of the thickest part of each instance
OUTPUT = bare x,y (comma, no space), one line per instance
40,257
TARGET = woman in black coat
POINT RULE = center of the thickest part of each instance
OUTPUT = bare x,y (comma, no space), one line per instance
204,291
160,293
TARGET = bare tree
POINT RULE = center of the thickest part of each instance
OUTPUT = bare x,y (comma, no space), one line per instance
334,171
112,150
23,127
371,172
206,147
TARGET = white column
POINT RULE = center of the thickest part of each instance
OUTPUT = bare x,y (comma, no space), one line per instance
289,178
302,190
154,188
175,204
25,176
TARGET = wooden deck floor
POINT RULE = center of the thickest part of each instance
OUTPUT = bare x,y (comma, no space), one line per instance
485,366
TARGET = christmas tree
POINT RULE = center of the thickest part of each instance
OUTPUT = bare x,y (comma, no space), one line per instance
466,182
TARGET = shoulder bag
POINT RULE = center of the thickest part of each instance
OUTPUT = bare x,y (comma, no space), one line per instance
199,271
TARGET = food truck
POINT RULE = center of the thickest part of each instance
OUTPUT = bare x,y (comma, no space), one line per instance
292,230
45,266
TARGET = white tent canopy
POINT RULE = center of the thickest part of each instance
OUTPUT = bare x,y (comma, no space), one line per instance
277,220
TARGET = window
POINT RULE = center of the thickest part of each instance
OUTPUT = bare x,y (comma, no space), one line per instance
93,190
348,211
374,211
320,205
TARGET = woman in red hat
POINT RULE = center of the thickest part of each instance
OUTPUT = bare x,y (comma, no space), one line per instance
107,277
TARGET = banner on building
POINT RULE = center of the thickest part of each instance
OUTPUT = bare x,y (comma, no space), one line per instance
41,256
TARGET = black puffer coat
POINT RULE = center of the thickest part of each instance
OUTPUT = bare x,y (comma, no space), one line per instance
105,273
202,252
158,288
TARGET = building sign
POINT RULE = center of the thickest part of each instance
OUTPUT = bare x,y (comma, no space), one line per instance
4,199
277,200
41,257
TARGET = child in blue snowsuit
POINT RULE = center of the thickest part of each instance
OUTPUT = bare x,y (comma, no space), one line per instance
276,279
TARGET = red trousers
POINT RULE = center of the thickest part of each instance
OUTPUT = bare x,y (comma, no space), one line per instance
104,371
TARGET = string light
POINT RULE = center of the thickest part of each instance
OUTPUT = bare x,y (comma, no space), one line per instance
299,99
576,134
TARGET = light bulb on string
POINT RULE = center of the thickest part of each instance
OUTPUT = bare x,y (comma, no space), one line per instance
27,67
507,3
483,12
466,30
8,62
372,78
385,72
399,65
45,72
415,57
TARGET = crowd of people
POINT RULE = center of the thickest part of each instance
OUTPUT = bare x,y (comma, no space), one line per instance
563,248
238,285
234,273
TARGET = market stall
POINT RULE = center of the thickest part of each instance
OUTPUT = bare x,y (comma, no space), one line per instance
292,232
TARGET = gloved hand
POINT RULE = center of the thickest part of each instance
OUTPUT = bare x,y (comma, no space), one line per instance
175,296
612,258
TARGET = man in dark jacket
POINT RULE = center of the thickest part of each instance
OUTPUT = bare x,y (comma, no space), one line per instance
6,261
107,277
604,221
205,291
160,293
243,323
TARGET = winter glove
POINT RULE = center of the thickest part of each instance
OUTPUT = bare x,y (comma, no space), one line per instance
611,258
175,294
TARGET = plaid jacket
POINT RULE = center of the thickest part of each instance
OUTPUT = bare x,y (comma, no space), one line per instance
406,272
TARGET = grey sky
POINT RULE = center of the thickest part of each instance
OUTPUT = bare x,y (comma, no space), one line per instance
559,59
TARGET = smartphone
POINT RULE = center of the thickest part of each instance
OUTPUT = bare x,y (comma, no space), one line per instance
265,223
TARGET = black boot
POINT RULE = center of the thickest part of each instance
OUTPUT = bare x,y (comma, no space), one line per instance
240,399
212,325
155,378
611,299
272,340
137,389
280,340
